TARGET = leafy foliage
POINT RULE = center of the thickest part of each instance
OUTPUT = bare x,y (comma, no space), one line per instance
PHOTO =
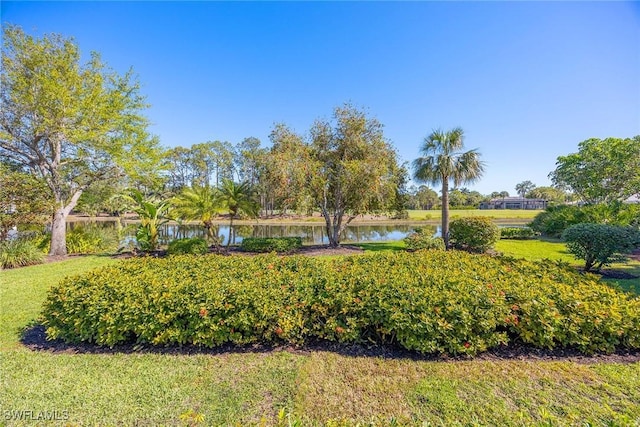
201,203
346,169
84,240
553,221
195,246
474,234
552,195
443,162
422,239
69,123
91,239
152,215
524,187
19,253
237,199
603,170
429,301
354,170
271,244
600,244
518,233
24,200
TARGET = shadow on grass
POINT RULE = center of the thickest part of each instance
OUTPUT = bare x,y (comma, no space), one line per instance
34,338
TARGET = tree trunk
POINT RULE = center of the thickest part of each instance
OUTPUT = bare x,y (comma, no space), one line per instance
59,225
59,233
445,212
230,231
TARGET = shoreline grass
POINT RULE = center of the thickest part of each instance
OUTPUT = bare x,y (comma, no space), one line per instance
312,388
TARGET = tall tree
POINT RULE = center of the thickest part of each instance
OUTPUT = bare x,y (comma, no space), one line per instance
237,199
248,160
603,170
212,162
181,174
524,187
425,198
287,169
353,170
70,123
444,162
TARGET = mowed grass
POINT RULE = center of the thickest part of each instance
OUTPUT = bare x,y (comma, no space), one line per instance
498,214
537,249
313,387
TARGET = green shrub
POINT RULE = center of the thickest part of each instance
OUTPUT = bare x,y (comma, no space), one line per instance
195,246
517,233
428,301
91,239
422,239
271,244
19,253
553,221
600,244
473,234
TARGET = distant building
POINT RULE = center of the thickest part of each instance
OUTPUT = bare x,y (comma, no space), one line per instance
514,203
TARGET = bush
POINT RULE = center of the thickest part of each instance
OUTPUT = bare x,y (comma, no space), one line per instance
428,301
19,253
600,244
556,219
517,233
91,239
195,246
473,234
271,244
422,239
84,239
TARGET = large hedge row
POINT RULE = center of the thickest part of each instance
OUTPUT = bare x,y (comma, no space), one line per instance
429,301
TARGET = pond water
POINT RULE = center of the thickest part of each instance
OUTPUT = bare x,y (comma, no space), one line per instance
311,234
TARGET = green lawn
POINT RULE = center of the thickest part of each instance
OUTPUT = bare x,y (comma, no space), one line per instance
252,387
537,249
498,214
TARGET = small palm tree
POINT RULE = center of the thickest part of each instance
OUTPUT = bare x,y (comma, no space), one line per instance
237,199
153,215
443,161
199,203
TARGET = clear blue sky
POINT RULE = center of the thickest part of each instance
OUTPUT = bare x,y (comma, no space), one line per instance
527,81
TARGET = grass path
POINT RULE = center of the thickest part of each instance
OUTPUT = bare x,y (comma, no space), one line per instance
251,388
498,214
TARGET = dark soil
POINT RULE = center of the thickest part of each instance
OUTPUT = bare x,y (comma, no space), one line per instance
35,339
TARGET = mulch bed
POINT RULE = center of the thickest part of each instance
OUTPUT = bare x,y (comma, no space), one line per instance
35,339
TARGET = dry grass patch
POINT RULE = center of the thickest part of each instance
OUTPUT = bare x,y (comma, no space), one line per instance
511,393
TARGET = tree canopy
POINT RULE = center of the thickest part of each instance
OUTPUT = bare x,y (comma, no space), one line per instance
23,200
603,170
69,123
524,187
345,169
443,161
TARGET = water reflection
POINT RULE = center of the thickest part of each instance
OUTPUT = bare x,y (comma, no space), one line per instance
310,234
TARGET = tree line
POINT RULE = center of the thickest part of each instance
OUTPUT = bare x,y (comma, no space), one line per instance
73,136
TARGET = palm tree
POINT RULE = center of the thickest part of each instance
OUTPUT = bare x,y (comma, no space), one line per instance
199,203
237,199
443,161
153,215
